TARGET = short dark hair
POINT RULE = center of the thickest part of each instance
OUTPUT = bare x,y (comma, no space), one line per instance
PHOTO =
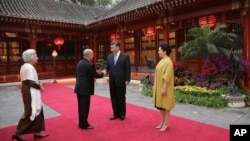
166,47
116,43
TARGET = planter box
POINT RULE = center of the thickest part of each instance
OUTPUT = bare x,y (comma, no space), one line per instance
236,101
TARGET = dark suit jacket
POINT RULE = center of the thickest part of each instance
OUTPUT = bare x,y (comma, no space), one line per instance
120,72
85,74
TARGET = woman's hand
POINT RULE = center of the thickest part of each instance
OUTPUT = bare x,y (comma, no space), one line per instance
163,92
164,89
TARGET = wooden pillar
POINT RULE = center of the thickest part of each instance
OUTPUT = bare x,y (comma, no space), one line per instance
33,37
122,37
137,44
166,30
246,42
122,41
94,46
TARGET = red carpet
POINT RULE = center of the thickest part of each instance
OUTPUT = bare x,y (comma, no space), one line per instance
139,124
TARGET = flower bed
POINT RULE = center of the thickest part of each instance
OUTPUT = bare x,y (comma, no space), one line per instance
200,96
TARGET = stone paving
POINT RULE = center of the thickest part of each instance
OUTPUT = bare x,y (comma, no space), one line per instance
11,106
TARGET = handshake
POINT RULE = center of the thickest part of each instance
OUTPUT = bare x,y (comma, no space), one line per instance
104,72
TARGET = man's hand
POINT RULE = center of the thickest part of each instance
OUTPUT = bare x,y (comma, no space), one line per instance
126,82
104,72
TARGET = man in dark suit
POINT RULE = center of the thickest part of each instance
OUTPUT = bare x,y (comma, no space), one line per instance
84,88
118,67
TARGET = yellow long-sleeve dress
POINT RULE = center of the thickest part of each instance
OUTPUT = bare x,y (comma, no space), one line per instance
164,72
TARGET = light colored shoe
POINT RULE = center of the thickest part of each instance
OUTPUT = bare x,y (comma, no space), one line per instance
164,128
159,126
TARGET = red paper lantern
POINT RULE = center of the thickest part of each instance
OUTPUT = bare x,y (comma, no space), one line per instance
207,20
59,42
114,37
149,31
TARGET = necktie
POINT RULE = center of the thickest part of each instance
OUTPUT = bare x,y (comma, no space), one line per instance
115,58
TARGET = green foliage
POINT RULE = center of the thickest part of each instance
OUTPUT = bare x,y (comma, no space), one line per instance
181,75
84,2
208,43
103,3
147,91
246,92
197,91
215,102
145,80
196,95
95,3
204,41
100,63
200,96
222,90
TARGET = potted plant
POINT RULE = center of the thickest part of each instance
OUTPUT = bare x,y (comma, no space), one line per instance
101,63
146,84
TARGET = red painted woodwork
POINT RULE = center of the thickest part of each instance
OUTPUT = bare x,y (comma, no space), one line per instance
149,31
132,20
207,20
246,44
114,37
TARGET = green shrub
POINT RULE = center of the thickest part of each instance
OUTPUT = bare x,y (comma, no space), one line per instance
147,91
246,92
100,63
196,95
197,91
215,102
200,96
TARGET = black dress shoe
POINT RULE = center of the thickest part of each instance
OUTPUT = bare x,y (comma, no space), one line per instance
18,138
87,127
122,117
40,136
113,117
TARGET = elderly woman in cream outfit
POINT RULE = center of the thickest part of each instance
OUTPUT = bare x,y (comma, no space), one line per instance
32,120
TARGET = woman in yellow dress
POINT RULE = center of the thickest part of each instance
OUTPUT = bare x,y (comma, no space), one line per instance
163,90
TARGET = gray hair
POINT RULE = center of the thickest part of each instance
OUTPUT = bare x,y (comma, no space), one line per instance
87,51
28,55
